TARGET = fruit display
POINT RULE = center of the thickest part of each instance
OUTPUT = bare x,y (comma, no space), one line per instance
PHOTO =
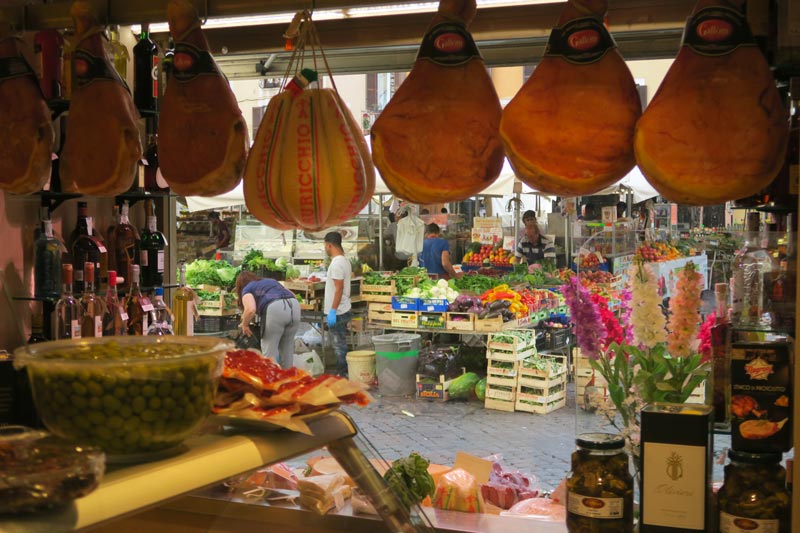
41,471
130,396
489,255
658,251
589,260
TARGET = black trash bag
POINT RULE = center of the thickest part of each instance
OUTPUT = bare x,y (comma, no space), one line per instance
247,342
439,360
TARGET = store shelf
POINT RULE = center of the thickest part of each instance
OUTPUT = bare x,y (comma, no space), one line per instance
208,459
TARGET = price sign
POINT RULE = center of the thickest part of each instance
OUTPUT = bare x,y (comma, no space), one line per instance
487,235
486,222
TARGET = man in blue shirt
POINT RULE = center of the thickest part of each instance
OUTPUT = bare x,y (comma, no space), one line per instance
435,256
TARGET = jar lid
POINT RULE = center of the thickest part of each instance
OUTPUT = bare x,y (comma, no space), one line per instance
755,458
600,441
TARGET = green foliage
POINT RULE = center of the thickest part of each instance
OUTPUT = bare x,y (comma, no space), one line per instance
410,480
210,272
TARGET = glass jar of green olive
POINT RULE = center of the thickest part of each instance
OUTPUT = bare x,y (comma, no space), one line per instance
600,486
754,495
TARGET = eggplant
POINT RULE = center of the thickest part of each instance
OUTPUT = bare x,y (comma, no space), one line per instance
498,305
483,314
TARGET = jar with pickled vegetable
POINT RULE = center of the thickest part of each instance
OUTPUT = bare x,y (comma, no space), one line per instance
600,486
754,495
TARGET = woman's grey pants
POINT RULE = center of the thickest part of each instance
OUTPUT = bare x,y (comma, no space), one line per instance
278,327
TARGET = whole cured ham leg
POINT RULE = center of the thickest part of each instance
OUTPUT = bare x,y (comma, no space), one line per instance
102,148
202,137
569,129
26,132
716,129
437,139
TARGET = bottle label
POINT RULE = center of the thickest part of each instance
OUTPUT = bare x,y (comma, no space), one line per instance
717,31
98,326
674,485
190,318
729,523
154,75
75,328
188,62
123,315
160,261
143,258
581,41
78,275
15,67
147,305
591,507
145,323
88,68
448,44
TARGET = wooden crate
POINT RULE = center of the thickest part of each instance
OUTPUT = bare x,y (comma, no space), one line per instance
377,293
405,320
556,366
467,323
518,345
498,405
583,377
379,313
503,351
489,325
435,390
215,307
541,391
500,392
432,320
541,409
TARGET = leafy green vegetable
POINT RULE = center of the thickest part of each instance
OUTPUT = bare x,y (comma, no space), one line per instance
210,272
376,278
475,283
410,480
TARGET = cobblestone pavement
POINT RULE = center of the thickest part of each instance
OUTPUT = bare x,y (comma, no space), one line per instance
537,444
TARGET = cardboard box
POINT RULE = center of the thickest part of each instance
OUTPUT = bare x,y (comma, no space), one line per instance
761,396
677,448
435,390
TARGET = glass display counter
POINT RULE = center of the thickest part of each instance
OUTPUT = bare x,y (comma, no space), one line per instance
612,242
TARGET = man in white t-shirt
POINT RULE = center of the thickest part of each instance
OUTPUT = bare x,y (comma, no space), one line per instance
337,298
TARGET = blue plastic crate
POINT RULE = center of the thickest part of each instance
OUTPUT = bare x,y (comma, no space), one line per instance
404,303
433,305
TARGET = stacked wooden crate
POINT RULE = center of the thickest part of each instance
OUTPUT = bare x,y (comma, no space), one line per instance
502,370
541,384
378,293
586,376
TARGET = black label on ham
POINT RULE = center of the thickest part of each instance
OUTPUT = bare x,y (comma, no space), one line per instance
448,44
88,68
185,62
717,31
580,41
15,67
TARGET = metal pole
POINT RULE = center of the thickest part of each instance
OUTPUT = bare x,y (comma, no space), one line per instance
380,232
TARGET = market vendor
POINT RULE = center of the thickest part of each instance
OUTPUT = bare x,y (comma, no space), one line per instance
279,311
533,247
435,256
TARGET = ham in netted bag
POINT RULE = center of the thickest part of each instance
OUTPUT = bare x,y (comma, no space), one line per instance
309,167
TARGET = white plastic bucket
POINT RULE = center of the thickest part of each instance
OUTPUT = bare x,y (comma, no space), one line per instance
361,366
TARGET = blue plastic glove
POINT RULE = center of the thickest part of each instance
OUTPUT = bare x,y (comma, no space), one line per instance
332,318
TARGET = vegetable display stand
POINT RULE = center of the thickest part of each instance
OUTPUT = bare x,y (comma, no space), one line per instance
312,292
379,313
543,367
216,307
489,325
378,293
433,305
460,322
501,373
405,320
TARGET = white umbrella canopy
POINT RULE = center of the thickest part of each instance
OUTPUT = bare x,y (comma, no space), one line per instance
634,183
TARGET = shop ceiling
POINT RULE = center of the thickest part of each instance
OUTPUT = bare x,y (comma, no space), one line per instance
507,35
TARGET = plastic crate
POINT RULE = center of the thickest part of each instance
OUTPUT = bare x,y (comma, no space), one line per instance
548,338
433,305
404,303
230,322
208,324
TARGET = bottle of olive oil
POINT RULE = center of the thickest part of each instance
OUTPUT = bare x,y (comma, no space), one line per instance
183,306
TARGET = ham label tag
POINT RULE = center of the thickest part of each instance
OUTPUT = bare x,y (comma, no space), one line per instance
717,31
88,68
15,67
448,44
580,41
186,62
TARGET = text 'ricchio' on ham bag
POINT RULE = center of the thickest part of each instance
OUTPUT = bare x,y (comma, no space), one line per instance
309,167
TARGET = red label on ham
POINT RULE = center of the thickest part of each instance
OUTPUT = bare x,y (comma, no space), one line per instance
583,40
714,30
449,42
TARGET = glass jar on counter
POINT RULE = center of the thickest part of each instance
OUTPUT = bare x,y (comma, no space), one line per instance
754,494
600,486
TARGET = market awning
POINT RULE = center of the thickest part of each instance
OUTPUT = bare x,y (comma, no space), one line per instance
634,183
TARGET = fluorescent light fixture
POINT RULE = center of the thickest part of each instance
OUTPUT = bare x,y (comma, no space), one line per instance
338,14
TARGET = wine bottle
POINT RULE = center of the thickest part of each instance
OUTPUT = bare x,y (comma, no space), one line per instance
750,264
153,179
68,309
37,329
112,260
183,306
160,316
145,71
119,52
87,247
91,306
153,246
126,246
48,45
115,319
137,306
47,263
